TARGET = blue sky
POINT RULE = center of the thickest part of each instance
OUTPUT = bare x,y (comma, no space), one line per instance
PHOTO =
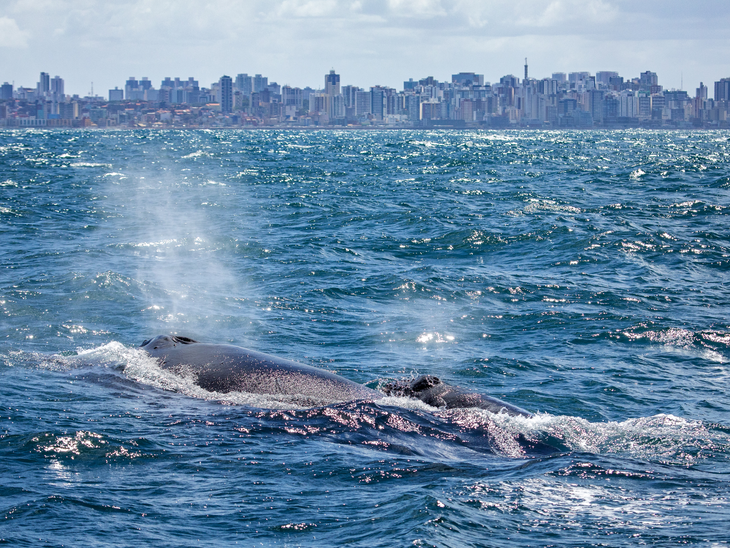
367,42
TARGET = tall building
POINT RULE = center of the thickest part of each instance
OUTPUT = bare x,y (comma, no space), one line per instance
291,96
116,94
226,94
44,85
595,104
332,83
6,91
259,83
244,84
57,88
603,77
349,92
130,87
648,79
701,92
378,107
467,79
722,90
362,103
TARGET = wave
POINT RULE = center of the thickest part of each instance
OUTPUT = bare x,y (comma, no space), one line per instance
714,345
392,423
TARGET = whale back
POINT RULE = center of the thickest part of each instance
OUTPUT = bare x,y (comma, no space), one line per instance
227,368
431,390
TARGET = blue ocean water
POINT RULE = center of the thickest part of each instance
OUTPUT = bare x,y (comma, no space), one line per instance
580,275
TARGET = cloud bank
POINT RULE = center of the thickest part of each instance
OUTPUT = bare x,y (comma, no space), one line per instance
367,41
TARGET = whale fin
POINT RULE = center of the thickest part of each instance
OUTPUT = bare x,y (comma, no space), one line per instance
183,340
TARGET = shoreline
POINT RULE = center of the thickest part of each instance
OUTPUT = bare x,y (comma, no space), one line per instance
354,128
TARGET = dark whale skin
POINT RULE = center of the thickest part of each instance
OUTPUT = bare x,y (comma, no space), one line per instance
434,392
227,368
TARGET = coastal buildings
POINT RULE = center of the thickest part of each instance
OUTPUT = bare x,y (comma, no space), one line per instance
574,100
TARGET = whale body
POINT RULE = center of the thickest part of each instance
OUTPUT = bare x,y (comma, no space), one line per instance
227,368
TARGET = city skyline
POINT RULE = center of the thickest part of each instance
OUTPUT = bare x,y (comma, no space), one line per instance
574,100
94,89
369,42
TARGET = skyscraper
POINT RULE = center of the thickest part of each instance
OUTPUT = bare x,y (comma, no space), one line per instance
722,90
260,83
57,88
130,87
332,83
6,91
244,84
226,94
468,79
44,85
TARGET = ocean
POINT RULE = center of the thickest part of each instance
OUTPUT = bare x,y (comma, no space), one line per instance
582,275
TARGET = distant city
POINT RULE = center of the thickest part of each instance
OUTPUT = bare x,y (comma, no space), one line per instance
574,100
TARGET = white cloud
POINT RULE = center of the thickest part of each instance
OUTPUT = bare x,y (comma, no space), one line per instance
307,8
562,12
367,41
420,9
10,34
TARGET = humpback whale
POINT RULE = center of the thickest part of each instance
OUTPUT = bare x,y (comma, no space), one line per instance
228,368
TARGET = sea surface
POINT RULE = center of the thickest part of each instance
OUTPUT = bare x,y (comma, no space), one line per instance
584,276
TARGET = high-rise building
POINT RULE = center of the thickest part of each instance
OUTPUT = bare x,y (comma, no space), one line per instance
116,94
378,106
603,77
69,111
57,88
722,90
362,103
130,87
413,107
648,79
336,107
595,104
292,96
6,91
244,84
349,92
319,103
226,94
467,79
259,83
578,79
701,92
44,85
332,83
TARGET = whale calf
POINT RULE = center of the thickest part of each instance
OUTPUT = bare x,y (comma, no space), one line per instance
228,368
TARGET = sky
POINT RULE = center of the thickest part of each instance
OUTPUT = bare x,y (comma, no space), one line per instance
367,42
